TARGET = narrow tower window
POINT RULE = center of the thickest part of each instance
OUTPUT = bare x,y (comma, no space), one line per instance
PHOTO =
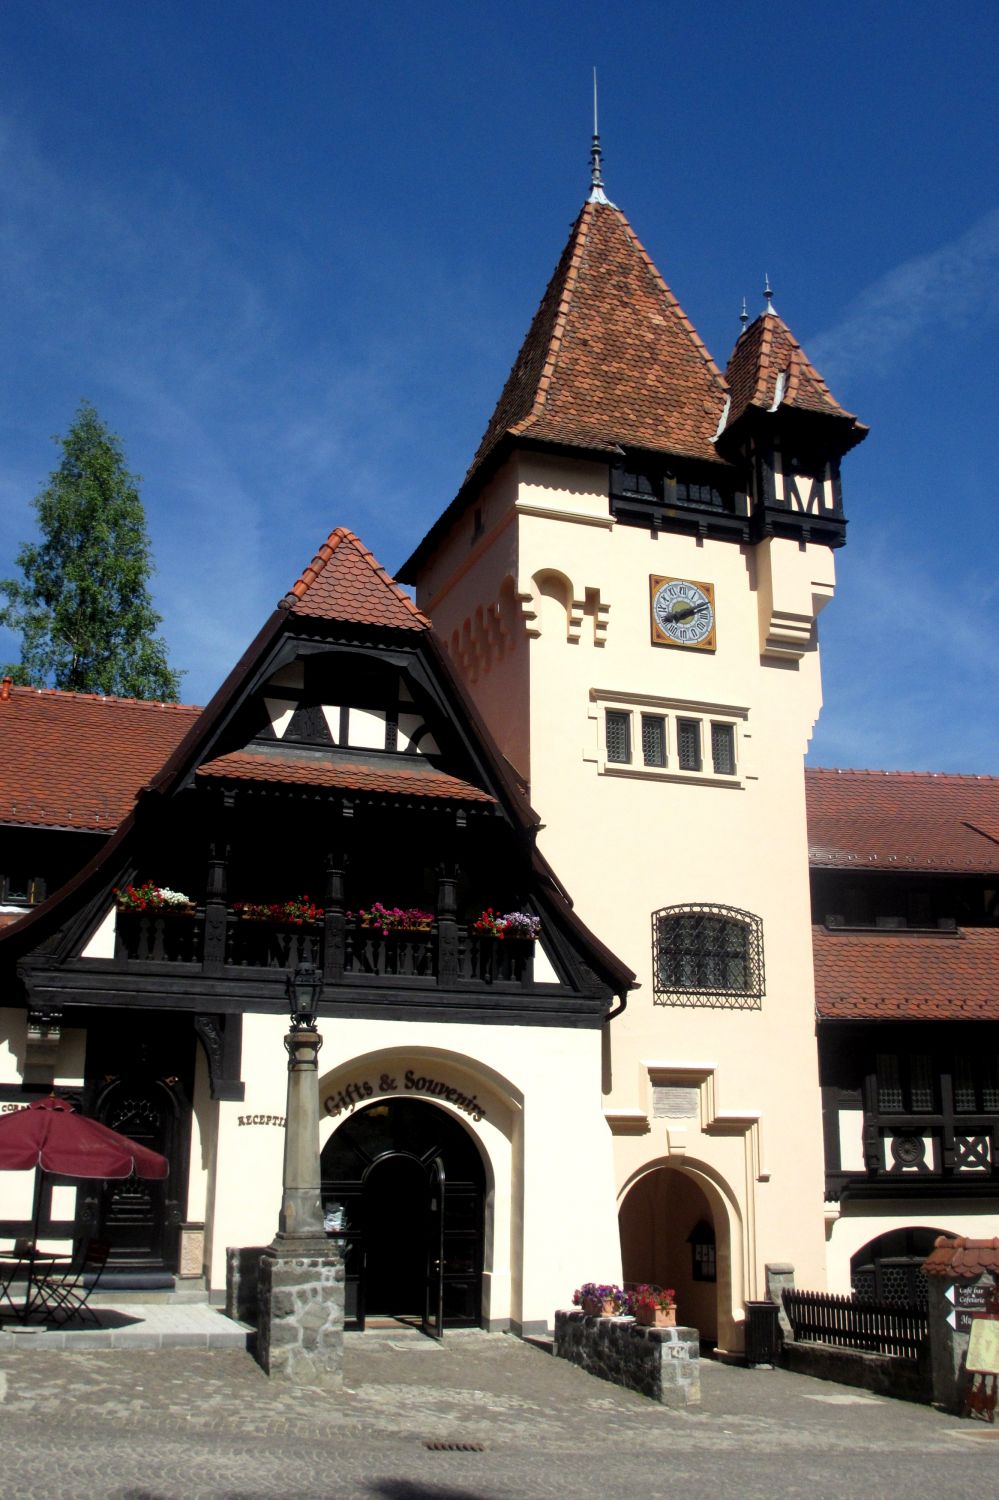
619,737
688,744
653,740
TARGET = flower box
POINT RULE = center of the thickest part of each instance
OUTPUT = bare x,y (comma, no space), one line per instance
647,1316
600,1299
153,899
300,912
392,921
510,926
653,1306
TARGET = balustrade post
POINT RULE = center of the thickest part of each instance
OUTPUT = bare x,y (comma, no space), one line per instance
216,915
447,927
334,922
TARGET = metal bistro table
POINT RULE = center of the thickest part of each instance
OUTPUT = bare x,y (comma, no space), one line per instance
39,1265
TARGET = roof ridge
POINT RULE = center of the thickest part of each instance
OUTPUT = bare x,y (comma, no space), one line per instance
26,690
578,238
969,776
339,537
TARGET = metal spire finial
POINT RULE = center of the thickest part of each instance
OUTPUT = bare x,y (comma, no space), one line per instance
768,294
744,315
597,194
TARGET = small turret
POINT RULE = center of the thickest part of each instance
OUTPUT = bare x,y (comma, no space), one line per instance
790,432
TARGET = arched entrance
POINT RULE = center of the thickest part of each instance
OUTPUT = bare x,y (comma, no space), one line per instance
890,1268
403,1189
669,1237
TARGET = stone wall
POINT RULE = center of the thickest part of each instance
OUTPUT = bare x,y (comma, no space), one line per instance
662,1363
905,1379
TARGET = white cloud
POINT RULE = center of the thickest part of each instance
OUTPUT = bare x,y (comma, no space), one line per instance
948,288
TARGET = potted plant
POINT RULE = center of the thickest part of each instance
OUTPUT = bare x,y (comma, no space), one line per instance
521,925
295,913
600,1299
150,897
390,919
653,1306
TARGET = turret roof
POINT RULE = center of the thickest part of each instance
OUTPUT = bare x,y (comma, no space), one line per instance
611,359
765,351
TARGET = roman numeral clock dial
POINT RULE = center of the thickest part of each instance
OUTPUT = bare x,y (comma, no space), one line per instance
682,613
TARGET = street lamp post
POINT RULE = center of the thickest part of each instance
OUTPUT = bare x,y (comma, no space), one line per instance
301,1215
300,1332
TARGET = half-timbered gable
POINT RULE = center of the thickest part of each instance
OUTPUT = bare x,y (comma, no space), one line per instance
337,805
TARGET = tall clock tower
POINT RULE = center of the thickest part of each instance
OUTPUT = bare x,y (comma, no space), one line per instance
629,581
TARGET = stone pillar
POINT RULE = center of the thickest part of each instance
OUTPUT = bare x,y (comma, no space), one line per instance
300,1327
780,1277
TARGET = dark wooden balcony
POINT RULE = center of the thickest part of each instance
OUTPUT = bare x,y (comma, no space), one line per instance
448,952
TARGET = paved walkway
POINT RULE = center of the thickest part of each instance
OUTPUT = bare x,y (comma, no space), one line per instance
136,1325
179,1424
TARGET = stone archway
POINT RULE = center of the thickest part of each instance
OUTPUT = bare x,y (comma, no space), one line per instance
676,1231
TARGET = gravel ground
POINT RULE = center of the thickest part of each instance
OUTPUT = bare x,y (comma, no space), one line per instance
179,1424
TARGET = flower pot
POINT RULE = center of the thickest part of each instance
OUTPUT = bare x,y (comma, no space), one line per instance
593,1308
648,1316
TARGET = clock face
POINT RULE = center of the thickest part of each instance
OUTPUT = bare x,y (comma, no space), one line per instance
683,613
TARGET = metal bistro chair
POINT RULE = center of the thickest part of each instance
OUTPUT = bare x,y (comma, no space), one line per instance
64,1297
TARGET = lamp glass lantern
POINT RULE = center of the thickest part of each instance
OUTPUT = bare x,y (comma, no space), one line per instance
305,986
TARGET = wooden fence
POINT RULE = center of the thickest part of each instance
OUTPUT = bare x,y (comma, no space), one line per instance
880,1327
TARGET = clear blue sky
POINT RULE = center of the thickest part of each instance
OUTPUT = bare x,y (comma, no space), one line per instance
290,250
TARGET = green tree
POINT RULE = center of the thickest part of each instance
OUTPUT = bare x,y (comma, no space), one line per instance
83,608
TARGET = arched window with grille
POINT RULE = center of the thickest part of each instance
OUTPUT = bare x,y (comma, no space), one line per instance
707,955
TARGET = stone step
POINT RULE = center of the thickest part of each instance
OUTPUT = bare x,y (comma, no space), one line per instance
128,1291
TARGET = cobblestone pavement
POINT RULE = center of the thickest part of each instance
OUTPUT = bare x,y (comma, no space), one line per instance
179,1424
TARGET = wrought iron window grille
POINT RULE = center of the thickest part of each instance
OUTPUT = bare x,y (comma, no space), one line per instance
707,955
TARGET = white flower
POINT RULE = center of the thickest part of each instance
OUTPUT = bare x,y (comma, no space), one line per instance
173,898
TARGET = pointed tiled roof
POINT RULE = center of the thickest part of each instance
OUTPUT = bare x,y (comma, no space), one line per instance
344,581
765,351
611,359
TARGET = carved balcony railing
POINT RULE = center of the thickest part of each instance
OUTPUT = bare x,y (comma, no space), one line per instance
448,953
163,935
272,945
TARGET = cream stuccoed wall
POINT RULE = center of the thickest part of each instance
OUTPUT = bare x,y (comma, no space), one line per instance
853,1227
547,1153
573,589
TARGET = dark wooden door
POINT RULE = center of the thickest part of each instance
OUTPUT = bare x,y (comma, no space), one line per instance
433,1305
139,1218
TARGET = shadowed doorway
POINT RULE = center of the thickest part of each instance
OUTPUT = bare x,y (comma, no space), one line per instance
403,1188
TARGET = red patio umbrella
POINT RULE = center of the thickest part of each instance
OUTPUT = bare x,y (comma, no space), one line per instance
51,1135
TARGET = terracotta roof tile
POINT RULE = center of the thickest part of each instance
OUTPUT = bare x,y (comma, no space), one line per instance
346,582
409,781
962,1257
907,976
77,760
765,351
910,820
611,359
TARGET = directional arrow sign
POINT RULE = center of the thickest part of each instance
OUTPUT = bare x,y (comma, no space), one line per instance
952,1318
951,1294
